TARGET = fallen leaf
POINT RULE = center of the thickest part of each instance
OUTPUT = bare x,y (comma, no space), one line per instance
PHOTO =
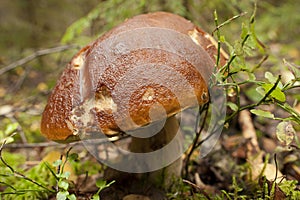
268,170
268,145
285,132
5,109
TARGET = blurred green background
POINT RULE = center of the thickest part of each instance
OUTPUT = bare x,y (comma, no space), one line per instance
35,24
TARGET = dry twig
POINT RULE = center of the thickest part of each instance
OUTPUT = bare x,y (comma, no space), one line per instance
35,55
197,187
253,150
18,174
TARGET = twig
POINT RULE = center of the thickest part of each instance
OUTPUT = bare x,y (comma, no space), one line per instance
197,187
33,145
228,21
263,59
54,144
6,184
270,91
35,55
20,81
261,101
276,165
18,174
295,116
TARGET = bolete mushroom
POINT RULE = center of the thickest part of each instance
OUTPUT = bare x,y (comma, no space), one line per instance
144,71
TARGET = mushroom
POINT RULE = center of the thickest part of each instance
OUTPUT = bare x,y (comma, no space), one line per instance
134,79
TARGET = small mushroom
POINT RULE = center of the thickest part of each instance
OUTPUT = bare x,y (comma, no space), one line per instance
142,72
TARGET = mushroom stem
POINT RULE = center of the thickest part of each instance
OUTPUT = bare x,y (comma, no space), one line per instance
164,176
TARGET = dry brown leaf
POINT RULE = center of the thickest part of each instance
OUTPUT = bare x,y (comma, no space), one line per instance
254,153
232,142
5,109
268,170
268,145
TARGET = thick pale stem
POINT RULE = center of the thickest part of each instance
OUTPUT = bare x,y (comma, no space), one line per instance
164,176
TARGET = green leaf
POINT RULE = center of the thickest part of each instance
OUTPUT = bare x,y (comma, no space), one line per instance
7,140
96,197
232,106
252,76
285,132
100,183
11,128
238,48
272,79
276,93
261,91
71,197
65,175
262,113
63,184
293,68
57,163
62,195
73,156
245,31
254,94
222,39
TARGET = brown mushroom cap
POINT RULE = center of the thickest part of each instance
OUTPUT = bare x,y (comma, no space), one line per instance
116,83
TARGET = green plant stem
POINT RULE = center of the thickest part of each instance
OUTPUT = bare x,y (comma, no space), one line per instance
196,139
66,160
232,57
229,21
226,67
245,39
8,185
270,91
262,101
218,36
263,59
291,85
295,115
